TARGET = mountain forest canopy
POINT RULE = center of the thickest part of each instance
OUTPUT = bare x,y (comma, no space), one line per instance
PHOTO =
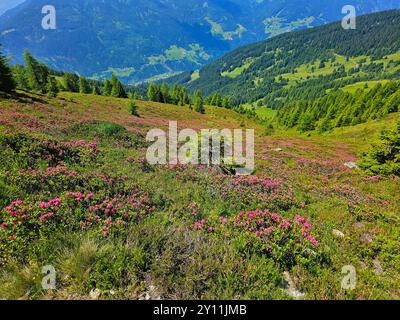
376,36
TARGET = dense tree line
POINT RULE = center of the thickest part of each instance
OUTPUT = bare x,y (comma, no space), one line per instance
37,77
176,94
340,108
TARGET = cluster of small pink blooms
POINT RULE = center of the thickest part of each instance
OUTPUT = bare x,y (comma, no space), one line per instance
271,191
194,207
311,239
199,225
262,224
79,196
50,172
4,121
223,220
108,180
60,170
21,217
302,222
52,203
83,144
373,178
256,218
110,213
47,216
267,184
285,224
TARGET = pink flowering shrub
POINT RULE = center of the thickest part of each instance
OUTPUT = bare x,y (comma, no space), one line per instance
109,214
25,221
288,241
30,151
58,179
263,192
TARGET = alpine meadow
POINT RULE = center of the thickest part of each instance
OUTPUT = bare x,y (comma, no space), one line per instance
200,150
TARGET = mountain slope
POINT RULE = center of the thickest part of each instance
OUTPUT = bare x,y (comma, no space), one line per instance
104,159
142,39
8,4
306,63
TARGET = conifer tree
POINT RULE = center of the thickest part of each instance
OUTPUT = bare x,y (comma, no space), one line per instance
36,73
71,82
107,88
31,71
83,85
226,103
384,159
165,93
18,73
52,88
153,93
7,83
133,107
95,90
198,102
117,89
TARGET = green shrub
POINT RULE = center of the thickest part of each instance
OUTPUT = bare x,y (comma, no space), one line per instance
384,159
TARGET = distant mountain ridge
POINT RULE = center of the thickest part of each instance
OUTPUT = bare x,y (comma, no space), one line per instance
151,39
304,63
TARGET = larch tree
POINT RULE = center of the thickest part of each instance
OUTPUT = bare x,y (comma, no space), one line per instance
7,83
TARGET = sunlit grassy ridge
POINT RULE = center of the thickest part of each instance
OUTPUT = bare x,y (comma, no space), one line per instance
168,252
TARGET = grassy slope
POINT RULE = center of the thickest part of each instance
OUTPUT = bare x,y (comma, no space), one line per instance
334,197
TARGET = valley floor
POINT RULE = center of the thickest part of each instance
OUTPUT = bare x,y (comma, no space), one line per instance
193,233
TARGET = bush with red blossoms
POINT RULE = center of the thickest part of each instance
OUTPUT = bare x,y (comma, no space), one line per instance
25,221
263,192
288,241
109,214
31,150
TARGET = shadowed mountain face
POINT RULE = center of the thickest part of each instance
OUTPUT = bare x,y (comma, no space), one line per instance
149,39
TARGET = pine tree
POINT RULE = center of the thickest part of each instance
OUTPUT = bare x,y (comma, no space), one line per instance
52,88
113,80
19,76
198,102
226,103
7,83
83,85
117,89
165,93
36,73
133,108
71,82
31,71
107,88
384,159
153,93
95,90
